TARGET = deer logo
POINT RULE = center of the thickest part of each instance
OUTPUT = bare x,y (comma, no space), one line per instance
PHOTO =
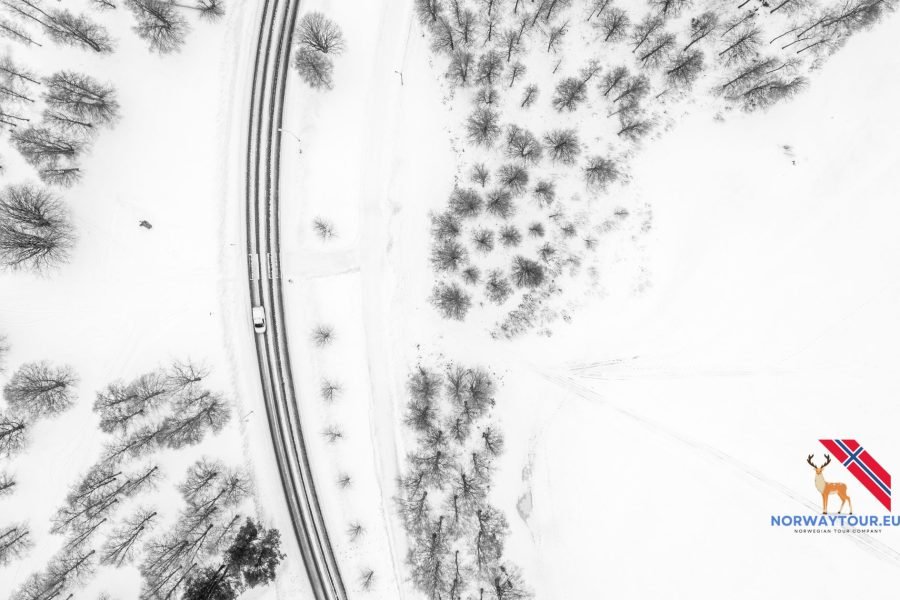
827,488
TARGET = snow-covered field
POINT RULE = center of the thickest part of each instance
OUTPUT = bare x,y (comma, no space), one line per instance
679,420
648,442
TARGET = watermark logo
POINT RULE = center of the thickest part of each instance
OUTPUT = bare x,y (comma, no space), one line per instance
861,465
867,471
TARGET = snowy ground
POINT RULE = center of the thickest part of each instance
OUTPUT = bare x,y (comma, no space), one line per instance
681,418
647,443
763,274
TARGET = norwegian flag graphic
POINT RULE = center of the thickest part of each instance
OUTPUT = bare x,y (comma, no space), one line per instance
865,468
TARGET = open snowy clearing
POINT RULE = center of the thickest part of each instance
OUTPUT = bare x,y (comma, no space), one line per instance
681,417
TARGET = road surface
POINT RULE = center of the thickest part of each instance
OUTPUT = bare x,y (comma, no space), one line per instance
263,247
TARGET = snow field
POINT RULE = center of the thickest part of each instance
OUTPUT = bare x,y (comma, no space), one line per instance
683,415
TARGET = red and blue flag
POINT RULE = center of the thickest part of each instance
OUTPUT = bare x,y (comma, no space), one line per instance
865,468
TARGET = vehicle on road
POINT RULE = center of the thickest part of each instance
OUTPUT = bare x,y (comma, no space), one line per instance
259,319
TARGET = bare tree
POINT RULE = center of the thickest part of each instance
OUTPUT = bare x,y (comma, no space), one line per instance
498,290
510,236
483,240
15,541
480,174
614,80
12,435
64,27
193,416
644,30
35,230
14,31
491,529
209,10
445,226
521,144
600,172
493,440
490,68
11,71
44,148
526,272
70,29
499,203
465,203
614,24
516,71
563,145
748,74
330,390
598,7
92,500
471,275
443,36
322,335
742,45
159,24
7,482
555,35
545,192
466,22
658,50
323,228
448,255
551,9
121,405
487,96
514,178
77,99
170,560
670,8
315,68
366,579
633,128
429,11
355,530
461,65
633,89
451,301
332,434
684,69
789,6
511,42
505,583
702,26
122,544
529,96
66,570
320,33
483,126
211,486
38,389
140,442
570,93
771,90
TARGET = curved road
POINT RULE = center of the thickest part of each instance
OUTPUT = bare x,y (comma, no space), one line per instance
263,247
